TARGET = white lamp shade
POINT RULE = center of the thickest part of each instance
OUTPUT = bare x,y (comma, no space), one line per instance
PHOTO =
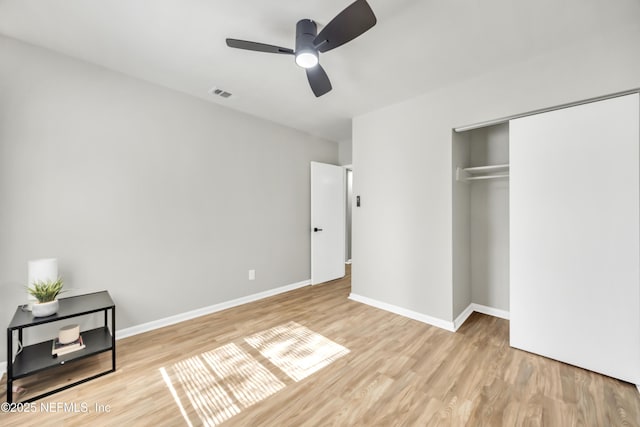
43,270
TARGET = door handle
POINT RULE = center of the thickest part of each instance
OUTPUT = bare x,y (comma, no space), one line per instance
316,229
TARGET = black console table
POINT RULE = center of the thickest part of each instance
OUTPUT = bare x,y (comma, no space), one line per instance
37,357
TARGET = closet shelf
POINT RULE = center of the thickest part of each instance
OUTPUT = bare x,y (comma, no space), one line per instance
478,173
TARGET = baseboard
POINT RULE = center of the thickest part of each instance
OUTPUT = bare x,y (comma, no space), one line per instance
495,312
463,317
434,321
490,311
172,320
429,320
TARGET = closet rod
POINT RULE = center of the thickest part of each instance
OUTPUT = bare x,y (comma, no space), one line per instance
477,178
543,110
490,168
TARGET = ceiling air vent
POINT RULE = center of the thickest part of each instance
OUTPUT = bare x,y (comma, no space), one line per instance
220,92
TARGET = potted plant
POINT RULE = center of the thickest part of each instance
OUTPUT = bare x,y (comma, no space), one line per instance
46,292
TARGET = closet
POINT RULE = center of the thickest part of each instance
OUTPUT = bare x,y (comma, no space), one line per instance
573,226
481,220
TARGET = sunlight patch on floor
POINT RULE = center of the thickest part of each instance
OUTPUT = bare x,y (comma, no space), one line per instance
211,402
174,393
244,376
222,382
296,350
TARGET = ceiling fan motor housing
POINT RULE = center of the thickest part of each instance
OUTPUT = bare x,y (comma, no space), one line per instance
306,31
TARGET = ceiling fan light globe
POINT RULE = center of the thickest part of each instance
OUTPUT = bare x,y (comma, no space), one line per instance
306,59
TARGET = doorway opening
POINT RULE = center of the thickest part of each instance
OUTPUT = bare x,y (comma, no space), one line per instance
349,195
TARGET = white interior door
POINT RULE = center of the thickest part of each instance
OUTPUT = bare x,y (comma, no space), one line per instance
327,222
574,229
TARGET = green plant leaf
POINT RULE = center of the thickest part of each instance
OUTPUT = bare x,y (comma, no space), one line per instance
46,290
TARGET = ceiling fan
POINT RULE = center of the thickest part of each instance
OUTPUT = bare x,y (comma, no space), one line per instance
356,19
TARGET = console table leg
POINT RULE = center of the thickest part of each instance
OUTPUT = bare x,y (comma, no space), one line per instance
9,366
113,337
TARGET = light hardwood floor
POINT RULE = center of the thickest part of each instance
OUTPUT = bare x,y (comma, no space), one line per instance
381,369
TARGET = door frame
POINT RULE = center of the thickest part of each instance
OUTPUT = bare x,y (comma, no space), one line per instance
348,224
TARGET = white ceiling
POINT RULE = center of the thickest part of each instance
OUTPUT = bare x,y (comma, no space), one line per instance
417,46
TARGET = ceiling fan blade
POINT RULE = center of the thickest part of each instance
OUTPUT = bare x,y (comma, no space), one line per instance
318,80
349,24
258,47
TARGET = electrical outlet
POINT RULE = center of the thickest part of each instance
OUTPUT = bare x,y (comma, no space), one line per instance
252,275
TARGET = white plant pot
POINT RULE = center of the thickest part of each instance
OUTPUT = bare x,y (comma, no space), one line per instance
44,309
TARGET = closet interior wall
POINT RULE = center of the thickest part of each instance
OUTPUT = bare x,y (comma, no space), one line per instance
481,221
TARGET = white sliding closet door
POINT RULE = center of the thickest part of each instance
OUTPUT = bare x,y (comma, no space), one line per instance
574,236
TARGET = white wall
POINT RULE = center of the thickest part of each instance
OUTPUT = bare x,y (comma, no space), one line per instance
403,231
165,200
345,149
